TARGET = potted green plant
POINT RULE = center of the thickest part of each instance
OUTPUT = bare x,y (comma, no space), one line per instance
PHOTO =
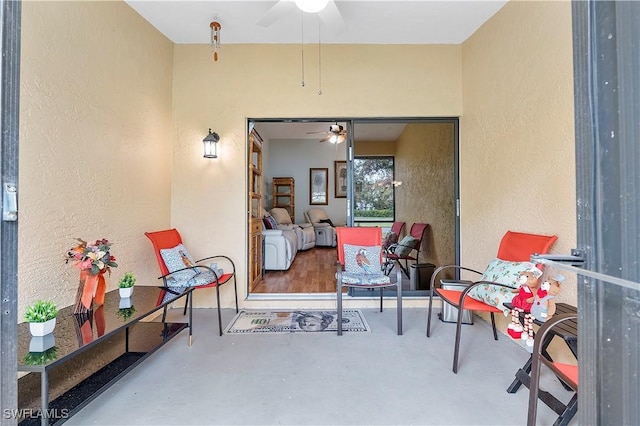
41,317
125,285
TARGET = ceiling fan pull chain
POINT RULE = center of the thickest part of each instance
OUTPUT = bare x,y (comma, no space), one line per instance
319,61
302,45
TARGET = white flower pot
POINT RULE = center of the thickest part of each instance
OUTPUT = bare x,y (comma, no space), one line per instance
125,292
42,328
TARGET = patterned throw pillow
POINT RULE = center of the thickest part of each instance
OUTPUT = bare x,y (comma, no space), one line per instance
177,258
362,265
405,246
503,272
390,238
269,222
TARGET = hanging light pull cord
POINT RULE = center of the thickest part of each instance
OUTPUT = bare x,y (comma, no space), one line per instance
302,46
319,61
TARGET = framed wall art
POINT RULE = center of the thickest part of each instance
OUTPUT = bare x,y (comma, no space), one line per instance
340,178
318,186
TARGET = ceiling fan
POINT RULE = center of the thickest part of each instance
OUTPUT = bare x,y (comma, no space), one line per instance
336,134
328,13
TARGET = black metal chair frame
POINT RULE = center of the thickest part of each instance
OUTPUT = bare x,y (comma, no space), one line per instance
391,256
565,412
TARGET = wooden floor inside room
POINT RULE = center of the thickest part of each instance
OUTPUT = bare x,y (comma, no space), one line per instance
312,271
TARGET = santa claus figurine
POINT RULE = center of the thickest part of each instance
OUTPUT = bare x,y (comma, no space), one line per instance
523,300
542,308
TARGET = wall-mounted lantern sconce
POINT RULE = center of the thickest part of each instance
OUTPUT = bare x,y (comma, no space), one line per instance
211,145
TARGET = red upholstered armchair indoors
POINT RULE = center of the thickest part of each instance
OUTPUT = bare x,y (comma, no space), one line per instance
515,248
180,271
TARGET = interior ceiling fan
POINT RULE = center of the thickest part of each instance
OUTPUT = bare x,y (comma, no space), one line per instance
326,10
336,134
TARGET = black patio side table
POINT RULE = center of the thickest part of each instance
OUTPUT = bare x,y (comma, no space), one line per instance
76,333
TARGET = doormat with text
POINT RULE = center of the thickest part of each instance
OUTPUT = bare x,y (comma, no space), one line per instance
294,321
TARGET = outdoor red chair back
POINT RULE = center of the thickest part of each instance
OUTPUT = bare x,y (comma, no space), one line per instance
417,232
397,228
518,246
365,236
163,240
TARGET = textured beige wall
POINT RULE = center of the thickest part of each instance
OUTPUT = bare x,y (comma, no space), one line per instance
374,148
261,81
517,131
425,166
95,141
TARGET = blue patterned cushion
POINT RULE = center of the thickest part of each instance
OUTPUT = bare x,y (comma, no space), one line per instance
503,272
362,265
365,279
177,258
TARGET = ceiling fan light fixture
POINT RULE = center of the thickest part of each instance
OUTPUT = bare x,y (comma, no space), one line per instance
311,6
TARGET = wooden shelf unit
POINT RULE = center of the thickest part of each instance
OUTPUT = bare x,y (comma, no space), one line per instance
255,208
284,195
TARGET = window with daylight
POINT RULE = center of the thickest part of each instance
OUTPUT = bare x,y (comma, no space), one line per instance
373,198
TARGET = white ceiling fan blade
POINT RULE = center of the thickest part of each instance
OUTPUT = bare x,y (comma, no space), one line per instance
326,138
332,18
277,11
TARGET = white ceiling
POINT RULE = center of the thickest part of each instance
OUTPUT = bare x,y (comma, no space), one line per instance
377,22
365,22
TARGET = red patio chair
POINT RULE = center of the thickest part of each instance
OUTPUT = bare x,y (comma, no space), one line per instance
514,247
188,273
567,373
361,260
404,249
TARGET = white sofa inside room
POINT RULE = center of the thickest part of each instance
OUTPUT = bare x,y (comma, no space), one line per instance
283,239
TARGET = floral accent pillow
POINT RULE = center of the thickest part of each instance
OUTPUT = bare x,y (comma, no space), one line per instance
178,258
362,265
503,272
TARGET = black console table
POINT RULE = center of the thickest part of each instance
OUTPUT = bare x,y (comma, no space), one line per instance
124,319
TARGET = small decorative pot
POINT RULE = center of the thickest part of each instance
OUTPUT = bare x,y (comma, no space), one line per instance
125,292
42,328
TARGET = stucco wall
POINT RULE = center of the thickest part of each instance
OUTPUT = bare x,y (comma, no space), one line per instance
263,81
517,167
425,166
95,142
364,148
